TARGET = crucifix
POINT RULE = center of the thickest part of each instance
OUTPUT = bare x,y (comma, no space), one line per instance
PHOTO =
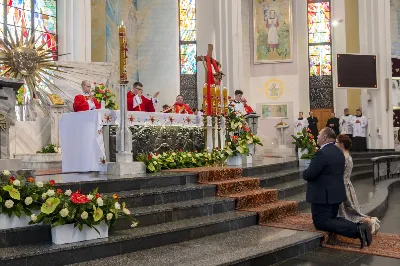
213,75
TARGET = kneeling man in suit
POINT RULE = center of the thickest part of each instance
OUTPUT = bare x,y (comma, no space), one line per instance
326,190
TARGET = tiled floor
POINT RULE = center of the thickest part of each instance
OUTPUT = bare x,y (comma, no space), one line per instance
390,224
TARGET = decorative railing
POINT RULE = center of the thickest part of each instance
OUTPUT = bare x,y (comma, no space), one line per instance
385,167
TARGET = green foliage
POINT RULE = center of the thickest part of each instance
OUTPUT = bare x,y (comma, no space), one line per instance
101,93
19,94
305,141
50,148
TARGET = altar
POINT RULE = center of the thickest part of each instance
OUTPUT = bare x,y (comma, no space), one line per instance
88,139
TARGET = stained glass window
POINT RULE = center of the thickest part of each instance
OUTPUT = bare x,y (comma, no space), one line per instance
188,50
320,51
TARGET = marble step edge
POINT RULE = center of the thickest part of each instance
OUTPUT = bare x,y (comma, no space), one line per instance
265,169
254,245
146,217
126,241
162,190
140,182
39,157
42,165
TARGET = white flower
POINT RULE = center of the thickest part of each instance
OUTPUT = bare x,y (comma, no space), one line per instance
9,204
64,212
39,184
90,197
109,216
68,192
84,215
28,201
6,173
50,192
33,218
155,163
126,211
117,206
16,183
189,154
134,224
44,196
100,202
59,150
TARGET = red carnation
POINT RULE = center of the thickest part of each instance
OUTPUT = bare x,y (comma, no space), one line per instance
11,179
79,198
98,195
59,191
149,157
52,182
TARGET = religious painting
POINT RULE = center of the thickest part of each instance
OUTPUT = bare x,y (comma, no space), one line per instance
273,31
274,89
269,111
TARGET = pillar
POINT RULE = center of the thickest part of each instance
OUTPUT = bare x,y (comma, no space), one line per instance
56,111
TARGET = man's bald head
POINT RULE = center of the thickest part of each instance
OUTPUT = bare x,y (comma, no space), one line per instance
326,135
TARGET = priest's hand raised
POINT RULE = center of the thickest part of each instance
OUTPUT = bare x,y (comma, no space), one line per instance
156,94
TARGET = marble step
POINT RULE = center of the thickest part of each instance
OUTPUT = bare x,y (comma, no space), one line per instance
254,198
37,165
362,167
291,188
146,216
39,157
107,184
301,200
357,175
279,177
372,154
126,241
236,185
275,210
164,195
265,169
255,245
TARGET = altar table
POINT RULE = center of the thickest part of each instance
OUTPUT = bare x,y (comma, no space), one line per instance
82,140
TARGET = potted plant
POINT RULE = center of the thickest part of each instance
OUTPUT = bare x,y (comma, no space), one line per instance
306,146
77,217
20,199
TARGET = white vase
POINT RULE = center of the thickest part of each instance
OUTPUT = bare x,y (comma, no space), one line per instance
249,158
66,233
13,221
301,152
304,162
235,160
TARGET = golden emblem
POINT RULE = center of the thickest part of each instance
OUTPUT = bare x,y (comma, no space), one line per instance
56,99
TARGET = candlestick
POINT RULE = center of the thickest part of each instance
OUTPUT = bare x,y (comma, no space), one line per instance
122,54
205,98
225,100
213,101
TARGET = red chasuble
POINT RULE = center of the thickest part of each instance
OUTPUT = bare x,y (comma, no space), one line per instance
248,109
146,105
182,109
81,103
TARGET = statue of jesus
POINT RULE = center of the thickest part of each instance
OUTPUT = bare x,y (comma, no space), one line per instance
214,73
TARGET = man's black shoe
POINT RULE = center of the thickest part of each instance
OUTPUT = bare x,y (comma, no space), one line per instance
367,231
361,235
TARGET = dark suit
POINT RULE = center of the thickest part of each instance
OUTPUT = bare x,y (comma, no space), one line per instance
326,190
313,126
335,122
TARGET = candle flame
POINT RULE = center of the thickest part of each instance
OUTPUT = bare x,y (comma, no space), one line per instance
122,23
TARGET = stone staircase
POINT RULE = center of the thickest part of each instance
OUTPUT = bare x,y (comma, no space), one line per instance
40,161
187,211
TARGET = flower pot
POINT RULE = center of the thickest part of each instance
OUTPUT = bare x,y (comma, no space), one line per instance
304,162
249,158
235,160
64,234
300,153
13,221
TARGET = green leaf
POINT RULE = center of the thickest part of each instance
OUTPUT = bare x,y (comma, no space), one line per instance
50,205
151,167
97,214
14,193
1,199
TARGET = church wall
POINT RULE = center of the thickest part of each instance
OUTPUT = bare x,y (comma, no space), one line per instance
160,50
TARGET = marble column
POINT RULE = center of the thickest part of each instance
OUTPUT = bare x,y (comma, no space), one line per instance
56,111
374,16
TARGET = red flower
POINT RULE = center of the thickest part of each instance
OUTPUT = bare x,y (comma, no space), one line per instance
229,97
59,191
79,198
31,180
11,179
115,196
98,195
149,157
94,82
107,90
52,182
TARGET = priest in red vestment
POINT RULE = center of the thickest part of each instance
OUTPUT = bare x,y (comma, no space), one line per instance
247,107
180,107
85,101
137,102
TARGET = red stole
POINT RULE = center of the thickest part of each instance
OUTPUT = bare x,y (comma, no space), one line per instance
248,109
210,79
182,109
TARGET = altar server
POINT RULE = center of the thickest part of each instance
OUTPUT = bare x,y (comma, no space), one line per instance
345,123
85,101
300,124
237,103
359,123
137,102
247,107
180,107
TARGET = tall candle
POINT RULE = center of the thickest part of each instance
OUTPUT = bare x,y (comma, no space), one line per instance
122,53
225,99
213,101
205,98
218,99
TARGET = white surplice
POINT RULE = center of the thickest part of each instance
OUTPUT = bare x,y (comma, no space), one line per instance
345,124
238,106
359,129
299,125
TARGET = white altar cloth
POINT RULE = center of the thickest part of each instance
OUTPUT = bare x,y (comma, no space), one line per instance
82,140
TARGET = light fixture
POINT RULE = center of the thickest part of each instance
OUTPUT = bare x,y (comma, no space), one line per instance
335,23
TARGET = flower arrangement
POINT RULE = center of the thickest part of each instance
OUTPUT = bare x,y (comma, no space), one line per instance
101,93
67,207
50,148
22,197
305,141
179,159
239,133
20,95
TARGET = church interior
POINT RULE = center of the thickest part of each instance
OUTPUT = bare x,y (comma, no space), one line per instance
188,132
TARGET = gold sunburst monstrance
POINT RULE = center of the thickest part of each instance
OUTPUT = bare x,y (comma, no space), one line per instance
24,58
